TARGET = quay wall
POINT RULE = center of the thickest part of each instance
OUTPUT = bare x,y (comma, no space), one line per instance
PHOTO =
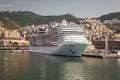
14,47
112,44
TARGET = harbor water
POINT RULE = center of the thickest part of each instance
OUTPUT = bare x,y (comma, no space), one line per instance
28,66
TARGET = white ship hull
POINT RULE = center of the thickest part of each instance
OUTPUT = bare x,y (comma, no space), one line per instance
74,49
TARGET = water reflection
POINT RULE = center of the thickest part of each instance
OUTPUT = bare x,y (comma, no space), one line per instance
12,65
119,62
19,66
54,67
104,69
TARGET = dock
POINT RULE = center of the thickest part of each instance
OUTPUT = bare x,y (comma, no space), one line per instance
14,48
101,55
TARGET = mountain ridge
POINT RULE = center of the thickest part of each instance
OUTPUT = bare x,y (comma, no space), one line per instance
18,19
110,16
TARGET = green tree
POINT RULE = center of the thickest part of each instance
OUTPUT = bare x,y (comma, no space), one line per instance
15,43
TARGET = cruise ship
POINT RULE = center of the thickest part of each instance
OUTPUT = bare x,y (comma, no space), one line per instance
63,40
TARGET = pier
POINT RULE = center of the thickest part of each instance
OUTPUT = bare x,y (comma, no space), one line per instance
101,55
106,48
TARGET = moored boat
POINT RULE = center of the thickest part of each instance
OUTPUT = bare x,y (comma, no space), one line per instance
64,40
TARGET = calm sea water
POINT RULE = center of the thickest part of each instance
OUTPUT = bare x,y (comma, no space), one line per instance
25,66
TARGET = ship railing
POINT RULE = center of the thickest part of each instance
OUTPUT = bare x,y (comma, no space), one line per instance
56,42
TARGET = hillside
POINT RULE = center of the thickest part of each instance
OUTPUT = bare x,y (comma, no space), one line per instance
18,19
59,18
112,20
110,16
15,20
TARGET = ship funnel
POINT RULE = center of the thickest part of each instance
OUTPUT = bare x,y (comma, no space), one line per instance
64,22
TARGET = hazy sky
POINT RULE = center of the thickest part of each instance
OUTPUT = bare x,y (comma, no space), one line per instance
79,8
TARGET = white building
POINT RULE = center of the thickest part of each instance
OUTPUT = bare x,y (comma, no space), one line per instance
13,42
12,38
